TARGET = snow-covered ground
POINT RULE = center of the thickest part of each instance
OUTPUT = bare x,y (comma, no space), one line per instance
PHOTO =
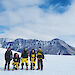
53,65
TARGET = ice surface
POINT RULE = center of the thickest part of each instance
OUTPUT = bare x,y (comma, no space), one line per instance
53,65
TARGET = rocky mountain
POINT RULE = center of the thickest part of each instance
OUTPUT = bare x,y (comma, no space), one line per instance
54,47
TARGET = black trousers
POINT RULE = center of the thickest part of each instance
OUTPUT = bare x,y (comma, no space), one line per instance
32,64
23,65
7,63
40,64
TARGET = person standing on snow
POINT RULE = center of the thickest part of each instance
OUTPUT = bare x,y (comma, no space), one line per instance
40,57
32,59
8,58
24,57
16,62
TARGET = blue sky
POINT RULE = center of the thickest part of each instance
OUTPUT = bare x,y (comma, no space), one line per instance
57,4
3,29
2,9
38,19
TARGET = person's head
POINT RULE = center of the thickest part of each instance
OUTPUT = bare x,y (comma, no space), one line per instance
39,48
16,55
25,49
32,50
9,49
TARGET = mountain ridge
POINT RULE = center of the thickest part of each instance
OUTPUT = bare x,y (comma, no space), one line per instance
53,47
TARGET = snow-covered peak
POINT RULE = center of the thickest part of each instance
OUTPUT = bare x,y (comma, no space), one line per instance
55,46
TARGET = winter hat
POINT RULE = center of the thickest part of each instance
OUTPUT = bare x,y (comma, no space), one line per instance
9,48
39,47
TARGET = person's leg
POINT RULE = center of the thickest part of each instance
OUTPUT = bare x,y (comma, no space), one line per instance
34,65
38,64
8,65
31,66
41,64
22,63
5,65
26,61
13,66
17,65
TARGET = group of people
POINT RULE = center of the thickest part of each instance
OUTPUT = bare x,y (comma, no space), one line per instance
24,56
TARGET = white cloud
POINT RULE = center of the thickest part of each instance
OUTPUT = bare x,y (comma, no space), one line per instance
26,20
21,32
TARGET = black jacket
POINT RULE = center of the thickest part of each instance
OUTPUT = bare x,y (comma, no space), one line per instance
16,59
25,54
31,55
8,55
40,55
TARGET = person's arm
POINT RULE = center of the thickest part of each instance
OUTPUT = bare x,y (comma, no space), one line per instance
30,56
11,56
35,57
42,55
22,55
28,53
13,59
11,52
5,55
19,60
37,54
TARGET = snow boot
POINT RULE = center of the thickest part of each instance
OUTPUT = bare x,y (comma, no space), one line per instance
33,69
12,69
30,68
27,68
38,68
21,68
4,69
8,69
